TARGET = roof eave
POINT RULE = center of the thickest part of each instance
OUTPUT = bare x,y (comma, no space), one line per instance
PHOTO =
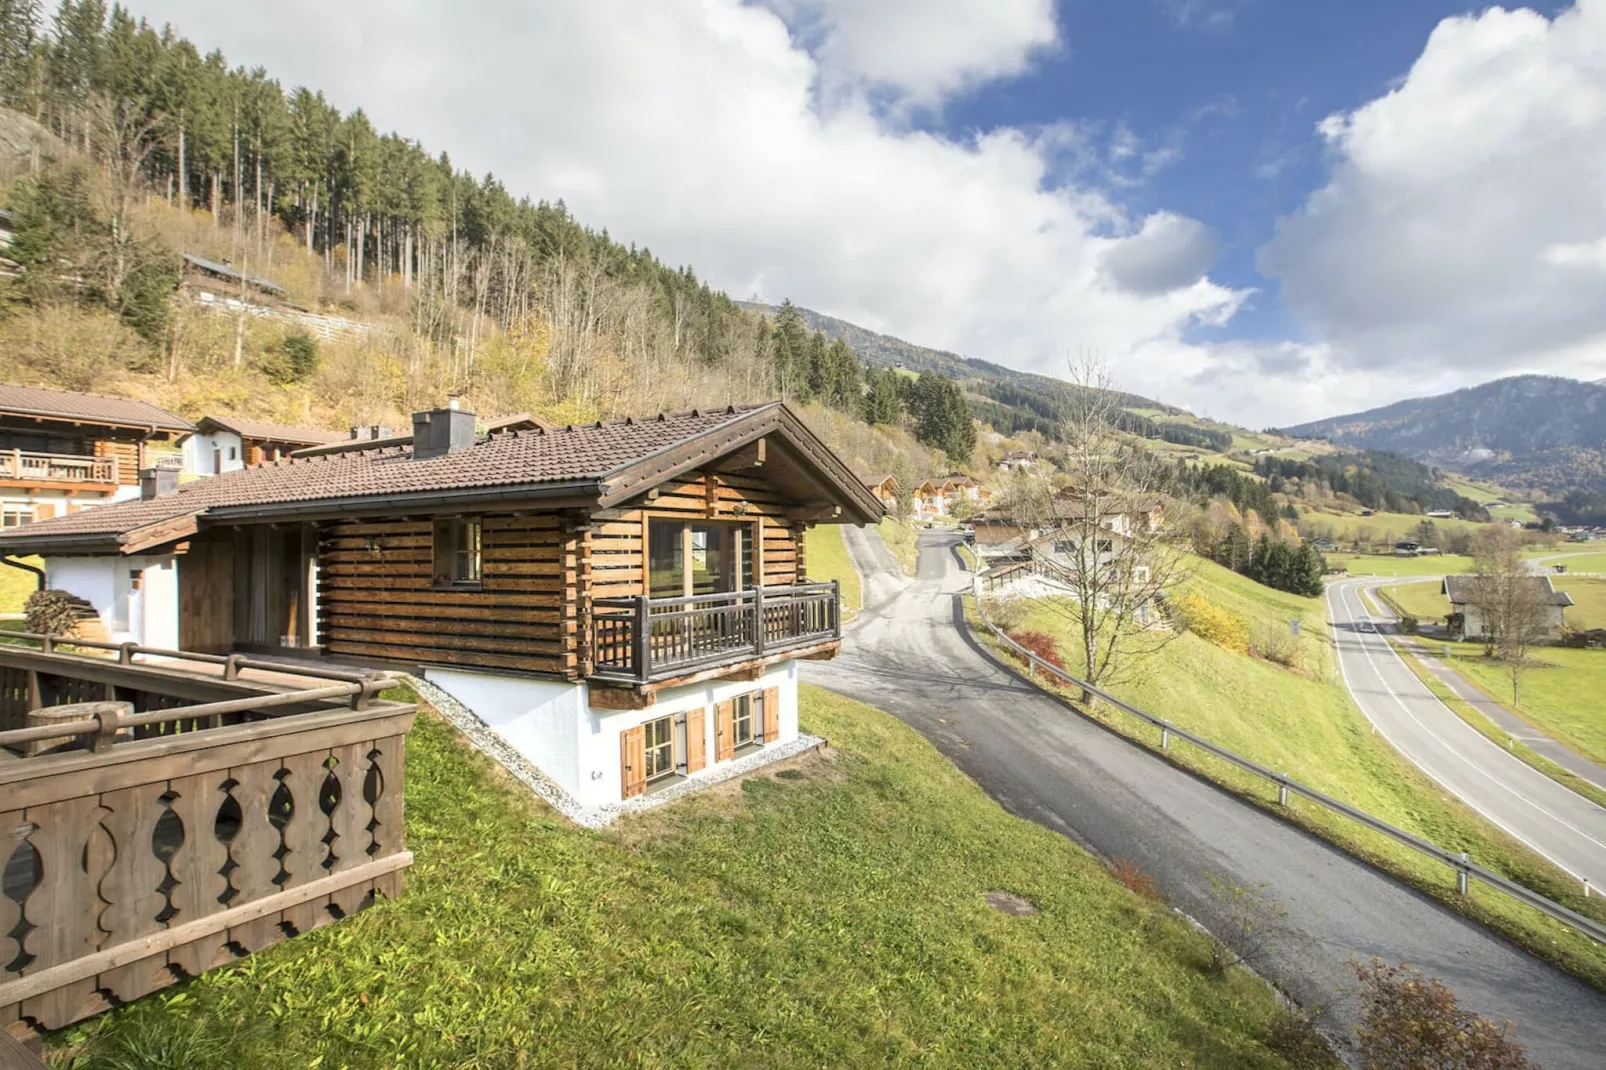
582,492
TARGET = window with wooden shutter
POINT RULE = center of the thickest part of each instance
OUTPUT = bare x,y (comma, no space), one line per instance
724,731
770,722
696,739
633,761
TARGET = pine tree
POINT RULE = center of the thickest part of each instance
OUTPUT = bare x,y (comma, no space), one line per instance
881,404
19,29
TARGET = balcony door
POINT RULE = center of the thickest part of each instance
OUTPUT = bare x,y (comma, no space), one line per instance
694,557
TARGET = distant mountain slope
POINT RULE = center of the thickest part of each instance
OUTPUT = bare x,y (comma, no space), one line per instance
886,351
1544,432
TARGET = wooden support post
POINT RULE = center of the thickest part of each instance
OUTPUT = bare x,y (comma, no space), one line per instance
643,637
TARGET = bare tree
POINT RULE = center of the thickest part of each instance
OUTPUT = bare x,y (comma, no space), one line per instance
1512,601
1105,532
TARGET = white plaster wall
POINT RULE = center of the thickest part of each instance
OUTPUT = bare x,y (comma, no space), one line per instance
553,725
208,455
148,616
541,719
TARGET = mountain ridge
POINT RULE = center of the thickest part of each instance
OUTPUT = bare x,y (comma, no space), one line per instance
1542,432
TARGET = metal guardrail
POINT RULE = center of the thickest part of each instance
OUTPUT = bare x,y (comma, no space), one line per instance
1465,869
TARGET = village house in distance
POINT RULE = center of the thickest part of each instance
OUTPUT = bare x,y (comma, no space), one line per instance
624,602
62,451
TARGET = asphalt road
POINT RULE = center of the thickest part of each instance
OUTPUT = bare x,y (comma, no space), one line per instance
907,654
1559,823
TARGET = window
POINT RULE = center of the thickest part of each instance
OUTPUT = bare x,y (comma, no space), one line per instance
743,719
685,558
14,515
659,736
457,552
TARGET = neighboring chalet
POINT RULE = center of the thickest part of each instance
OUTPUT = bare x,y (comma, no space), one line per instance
224,443
61,451
1463,593
624,603
937,499
885,490
1121,514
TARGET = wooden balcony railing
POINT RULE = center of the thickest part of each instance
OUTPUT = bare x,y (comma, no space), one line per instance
645,639
146,837
57,467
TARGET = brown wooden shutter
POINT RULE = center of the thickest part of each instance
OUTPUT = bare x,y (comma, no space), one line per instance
771,727
724,731
633,759
696,739
441,544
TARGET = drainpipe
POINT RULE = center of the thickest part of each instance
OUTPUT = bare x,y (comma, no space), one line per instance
39,573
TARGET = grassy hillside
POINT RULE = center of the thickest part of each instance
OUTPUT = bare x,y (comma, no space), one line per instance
16,585
1304,723
1391,565
827,558
828,914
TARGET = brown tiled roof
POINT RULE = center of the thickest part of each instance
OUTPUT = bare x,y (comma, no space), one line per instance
90,408
264,431
1463,590
583,456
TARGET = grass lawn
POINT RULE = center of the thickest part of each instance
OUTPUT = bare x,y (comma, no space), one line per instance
1561,691
1589,600
16,585
1585,561
1306,725
1379,527
903,540
1420,600
828,914
827,559
1390,565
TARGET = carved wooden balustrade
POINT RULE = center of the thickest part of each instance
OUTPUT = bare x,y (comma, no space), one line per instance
144,847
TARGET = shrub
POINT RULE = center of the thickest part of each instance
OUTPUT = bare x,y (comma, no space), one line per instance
1272,642
1213,624
1132,876
1040,644
53,612
1006,613
1410,1021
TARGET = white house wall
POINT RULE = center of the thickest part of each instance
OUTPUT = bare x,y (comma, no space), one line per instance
553,725
213,454
148,616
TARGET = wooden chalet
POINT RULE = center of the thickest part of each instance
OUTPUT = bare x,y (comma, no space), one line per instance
61,451
625,602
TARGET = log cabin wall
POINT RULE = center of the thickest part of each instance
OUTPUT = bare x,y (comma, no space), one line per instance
616,549
378,599
614,552
130,458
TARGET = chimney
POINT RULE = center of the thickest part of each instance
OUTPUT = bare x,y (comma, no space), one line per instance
442,431
157,482
356,434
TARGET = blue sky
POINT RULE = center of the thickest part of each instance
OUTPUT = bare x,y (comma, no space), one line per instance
1264,210
1235,87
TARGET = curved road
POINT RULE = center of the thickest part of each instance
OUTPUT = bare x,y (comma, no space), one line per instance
907,654
1559,823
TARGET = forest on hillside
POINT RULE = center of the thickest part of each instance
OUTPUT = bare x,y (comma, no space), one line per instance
459,284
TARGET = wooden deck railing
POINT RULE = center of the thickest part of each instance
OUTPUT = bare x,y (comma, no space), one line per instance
645,639
57,467
147,845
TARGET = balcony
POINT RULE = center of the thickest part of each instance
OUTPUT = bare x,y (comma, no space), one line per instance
22,466
170,812
644,640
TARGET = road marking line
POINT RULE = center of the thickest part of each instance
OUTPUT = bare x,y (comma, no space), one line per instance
1351,590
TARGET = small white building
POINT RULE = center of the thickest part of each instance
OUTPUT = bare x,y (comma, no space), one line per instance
1466,599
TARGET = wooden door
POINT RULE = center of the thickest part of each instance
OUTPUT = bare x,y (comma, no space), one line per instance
206,594
724,731
696,739
633,761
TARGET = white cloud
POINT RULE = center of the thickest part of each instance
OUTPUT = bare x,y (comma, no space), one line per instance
923,49
1461,207
694,127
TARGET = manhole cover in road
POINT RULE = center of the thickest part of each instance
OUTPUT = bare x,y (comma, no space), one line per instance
1011,904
